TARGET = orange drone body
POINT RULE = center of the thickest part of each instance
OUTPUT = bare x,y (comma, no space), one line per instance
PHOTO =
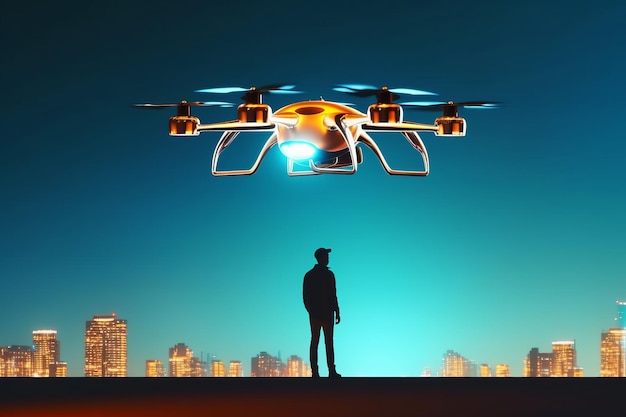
315,123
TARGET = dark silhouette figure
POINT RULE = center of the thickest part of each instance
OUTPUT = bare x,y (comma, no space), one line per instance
320,299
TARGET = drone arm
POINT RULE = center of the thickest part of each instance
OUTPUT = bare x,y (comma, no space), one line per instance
413,139
399,127
235,125
226,140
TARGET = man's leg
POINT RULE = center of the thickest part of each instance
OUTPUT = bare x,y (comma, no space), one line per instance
316,326
328,326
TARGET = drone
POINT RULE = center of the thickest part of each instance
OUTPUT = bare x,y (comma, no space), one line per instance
319,136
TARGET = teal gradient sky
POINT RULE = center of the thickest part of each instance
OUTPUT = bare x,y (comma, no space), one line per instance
517,238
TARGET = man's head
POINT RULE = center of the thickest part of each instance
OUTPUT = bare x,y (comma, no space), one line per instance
322,256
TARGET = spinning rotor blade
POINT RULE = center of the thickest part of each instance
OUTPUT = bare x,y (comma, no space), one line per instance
364,90
272,89
441,105
185,104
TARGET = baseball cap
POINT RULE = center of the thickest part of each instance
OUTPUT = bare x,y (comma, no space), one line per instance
321,252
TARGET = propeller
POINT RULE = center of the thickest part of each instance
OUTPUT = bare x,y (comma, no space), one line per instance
450,108
253,94
383,94
184,107
184,103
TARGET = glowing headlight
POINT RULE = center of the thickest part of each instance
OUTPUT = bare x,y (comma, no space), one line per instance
298,150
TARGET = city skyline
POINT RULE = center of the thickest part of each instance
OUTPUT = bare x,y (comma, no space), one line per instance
106,336
515,239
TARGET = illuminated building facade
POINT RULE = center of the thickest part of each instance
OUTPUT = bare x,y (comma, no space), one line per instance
612,353
198,368
485,370
235,369
266,365
57,370
154,368
106,347
16,361
576,372
297,368
218,370
47,351
537,364
503,370
563,358
180,361
455,365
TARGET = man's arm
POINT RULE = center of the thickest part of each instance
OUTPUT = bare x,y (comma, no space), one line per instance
334,299
305,293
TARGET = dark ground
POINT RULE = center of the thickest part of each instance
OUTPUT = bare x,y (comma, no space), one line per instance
294,397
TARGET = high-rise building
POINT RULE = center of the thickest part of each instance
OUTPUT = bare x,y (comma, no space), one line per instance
296,367
485,370
106,348
47,351
154,368
235,369
613,353
575,372
16,361
537,364
58,370
218,370
266,365
563,358
198,368
503,370
455,365
180,361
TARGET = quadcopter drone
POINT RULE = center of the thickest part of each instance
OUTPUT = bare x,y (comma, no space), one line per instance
320,137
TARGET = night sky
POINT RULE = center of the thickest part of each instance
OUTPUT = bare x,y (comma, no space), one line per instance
517,238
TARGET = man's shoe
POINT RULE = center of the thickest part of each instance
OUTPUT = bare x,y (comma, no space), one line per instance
334,375
315,375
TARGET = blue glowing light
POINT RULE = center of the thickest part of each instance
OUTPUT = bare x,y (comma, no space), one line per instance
298,150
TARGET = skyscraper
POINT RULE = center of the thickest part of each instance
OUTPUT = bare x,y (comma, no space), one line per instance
455,365
218,370
58,370
106,350
296,367
235,369
47,351
612,353
537,364
266,365
485,370
154,368
503,370
16,361
180,361
198,367
563,358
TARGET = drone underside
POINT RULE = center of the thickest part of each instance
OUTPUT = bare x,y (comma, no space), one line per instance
321,136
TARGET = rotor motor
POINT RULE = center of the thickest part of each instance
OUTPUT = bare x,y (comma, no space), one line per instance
253,112
385,113
184,124
450,124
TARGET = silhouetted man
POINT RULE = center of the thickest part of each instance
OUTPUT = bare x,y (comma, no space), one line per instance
320,299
